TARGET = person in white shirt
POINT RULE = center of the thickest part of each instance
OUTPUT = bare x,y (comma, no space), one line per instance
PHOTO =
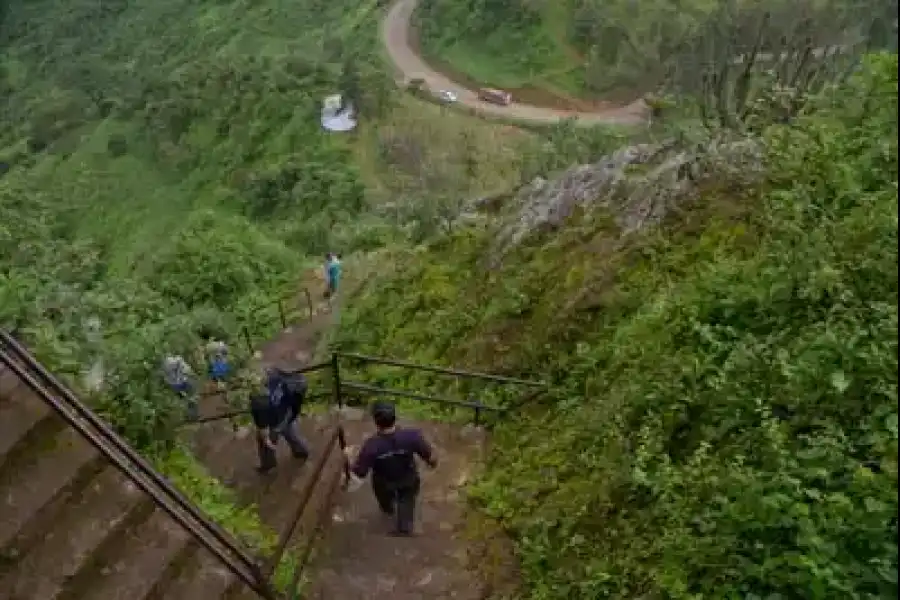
178,374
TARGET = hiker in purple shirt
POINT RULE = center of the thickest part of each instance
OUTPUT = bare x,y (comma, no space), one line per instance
390,456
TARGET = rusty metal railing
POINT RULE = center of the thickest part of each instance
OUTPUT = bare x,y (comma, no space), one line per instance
204,531
258,575
282,318
393,362
475,404
337,440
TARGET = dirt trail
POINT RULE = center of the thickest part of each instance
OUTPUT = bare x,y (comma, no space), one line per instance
357,559
396,38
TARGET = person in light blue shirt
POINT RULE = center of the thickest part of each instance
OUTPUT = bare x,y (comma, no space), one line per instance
332,274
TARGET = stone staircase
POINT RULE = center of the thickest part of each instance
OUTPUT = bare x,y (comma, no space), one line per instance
359,561
74,527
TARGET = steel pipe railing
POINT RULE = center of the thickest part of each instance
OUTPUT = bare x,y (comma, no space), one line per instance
132,465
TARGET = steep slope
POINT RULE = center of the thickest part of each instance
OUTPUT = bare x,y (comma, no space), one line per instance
720,326
163,169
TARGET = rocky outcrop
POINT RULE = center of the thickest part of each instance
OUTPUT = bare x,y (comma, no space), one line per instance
638,185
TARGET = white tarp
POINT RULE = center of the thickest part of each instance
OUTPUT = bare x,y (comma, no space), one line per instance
335,119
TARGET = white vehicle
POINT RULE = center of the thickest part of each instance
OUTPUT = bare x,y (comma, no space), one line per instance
447,96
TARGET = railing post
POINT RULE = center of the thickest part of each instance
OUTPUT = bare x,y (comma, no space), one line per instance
309,302
281,314
247,340
336,380
478,407
342,442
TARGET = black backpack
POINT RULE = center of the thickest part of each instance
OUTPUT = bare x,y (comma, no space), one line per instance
294,386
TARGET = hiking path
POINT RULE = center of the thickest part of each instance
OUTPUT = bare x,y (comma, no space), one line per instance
356,559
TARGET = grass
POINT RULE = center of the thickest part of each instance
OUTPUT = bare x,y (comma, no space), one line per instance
221,504
492,64
529,53
436,134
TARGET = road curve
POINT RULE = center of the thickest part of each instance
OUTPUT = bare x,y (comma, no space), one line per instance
395,36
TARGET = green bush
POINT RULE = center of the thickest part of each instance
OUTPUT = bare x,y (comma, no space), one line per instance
221,504
214,261
167,171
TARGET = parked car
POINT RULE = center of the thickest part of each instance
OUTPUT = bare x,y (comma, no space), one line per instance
495,96
416,84
447,96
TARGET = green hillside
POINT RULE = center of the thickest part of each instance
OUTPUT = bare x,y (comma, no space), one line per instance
722,421
152,151
163,168
562,51
723,414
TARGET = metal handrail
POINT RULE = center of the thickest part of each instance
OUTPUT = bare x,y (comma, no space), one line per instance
441,370
282,317
132,465
383,391
336,437
323,519
238,413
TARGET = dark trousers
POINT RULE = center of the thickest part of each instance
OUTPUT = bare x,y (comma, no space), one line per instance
267,458
398,500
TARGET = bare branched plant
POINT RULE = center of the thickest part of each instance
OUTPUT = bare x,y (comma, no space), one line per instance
746,70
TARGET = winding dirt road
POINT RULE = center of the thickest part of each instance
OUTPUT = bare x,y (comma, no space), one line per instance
396,37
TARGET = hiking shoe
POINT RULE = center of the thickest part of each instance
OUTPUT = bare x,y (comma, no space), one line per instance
402,533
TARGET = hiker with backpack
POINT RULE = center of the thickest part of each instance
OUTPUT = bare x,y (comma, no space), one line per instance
178,375
390,456
216,352
275,414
